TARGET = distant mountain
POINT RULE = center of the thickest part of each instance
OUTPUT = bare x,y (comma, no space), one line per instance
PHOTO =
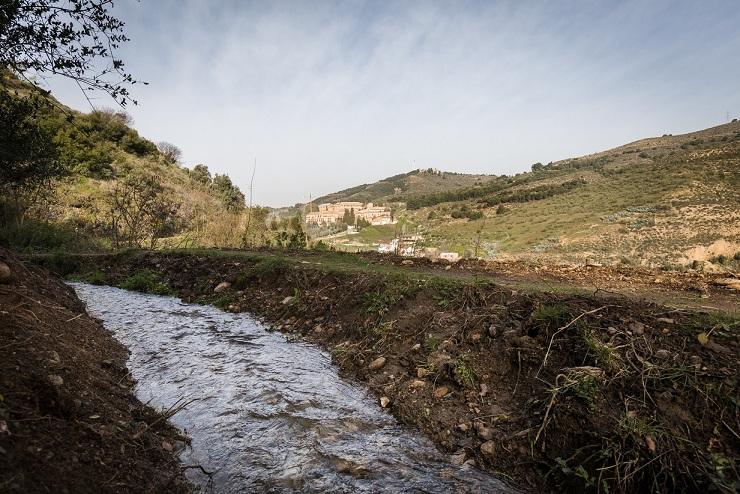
394,188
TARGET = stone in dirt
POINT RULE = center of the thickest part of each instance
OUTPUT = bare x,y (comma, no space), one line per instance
488,448
441,392
422,372
662,354
637,328
223,286
407,262
55,380
287,300
5,273
417,383
384,401
377,363
666,320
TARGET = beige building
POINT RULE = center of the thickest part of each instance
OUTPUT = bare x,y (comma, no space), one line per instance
332,213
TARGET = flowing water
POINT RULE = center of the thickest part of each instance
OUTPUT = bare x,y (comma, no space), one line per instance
268,415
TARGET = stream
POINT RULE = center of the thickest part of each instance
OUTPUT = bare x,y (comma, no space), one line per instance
268,415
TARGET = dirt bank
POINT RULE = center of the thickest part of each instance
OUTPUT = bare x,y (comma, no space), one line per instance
553,391
69,421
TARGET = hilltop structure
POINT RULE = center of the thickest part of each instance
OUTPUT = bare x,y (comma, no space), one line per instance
332,213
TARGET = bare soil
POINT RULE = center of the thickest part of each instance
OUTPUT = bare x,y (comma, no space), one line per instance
69,421
551,391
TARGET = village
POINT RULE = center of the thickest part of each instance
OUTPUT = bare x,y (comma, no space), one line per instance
357,214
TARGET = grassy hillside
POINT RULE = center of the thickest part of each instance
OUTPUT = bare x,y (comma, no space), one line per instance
101,153
662,201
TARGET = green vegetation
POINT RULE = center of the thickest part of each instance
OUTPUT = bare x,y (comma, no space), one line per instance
146,281
550,317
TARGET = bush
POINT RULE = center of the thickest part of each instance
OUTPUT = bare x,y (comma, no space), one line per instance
146,281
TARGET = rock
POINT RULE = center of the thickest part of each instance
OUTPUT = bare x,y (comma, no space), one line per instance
377,363
637,328
666,320
422,372
54,357
463,427
416,347
611,330
167,446
663,354
384,401
417,383
441,392
221,287
448,267
476,337
407,262
287,300
484,432
488,448
458,458
483,390
5,273
55,380
492,331
318,328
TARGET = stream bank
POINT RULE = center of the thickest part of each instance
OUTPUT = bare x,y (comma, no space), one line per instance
554,391
69,421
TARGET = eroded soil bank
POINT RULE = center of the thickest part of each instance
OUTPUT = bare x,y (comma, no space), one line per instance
69,421
556,392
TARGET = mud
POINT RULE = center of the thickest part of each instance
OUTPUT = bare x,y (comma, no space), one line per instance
69,421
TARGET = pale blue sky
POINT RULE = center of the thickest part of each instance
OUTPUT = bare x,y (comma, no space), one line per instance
328,95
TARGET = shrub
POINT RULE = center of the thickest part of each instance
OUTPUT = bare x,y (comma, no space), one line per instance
146,281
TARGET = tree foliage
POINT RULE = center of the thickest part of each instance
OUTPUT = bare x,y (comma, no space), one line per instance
29,161
230,195
76,39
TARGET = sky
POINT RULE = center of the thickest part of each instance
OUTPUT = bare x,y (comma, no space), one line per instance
328,95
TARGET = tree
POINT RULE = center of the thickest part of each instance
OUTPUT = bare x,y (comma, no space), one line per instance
200,173
230,195
29,162
76,39
140,211
170,152
537,167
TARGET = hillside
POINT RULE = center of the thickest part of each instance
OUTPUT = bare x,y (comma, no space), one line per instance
114,181
416,182
662,201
